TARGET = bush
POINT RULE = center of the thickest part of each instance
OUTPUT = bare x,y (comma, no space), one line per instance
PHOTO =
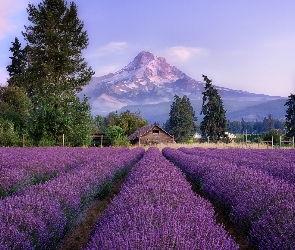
122,141
273,133
8,136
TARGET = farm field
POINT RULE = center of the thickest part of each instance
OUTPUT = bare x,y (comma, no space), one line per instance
44,191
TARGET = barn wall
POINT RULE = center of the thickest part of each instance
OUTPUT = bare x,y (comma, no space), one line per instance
153,138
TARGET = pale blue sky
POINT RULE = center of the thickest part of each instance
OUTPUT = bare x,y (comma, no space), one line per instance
240,44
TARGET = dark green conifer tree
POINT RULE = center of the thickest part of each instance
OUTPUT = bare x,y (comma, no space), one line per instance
181,122
290,116
214,122
18,64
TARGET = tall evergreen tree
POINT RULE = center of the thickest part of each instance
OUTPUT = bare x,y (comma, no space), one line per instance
290,116
181,122
18,63
214,121
56,71
55,42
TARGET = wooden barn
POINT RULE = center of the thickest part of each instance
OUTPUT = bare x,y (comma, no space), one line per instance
150,135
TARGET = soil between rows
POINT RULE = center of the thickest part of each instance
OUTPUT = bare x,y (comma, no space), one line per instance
79,236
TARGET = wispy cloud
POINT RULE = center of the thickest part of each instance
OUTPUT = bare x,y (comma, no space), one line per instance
107,69
7,10
181,53
109,49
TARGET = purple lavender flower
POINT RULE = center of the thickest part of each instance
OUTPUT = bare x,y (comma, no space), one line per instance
255,198
156,209
38,216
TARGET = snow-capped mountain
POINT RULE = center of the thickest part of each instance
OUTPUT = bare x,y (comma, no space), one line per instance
149,79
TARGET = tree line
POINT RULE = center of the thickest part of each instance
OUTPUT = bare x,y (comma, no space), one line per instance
257,127
182,119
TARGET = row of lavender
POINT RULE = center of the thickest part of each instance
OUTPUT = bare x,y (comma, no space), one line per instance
156,209
21,167
38,216
262,205
278,162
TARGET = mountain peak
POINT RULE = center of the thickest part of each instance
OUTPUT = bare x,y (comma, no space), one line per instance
142,59
153,68
148,79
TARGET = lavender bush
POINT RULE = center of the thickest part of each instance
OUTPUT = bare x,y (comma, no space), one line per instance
278,162
156,209
38,216
21,167
251,196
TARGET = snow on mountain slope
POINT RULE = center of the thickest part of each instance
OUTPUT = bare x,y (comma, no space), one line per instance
149,79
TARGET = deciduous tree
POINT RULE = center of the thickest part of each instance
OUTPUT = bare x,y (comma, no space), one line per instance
129,122
16,107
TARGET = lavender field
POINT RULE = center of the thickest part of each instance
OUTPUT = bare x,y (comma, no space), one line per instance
43,191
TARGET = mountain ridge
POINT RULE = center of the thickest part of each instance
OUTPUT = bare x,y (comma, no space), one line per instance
150,79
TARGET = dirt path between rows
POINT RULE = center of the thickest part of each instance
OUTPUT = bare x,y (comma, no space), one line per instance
80,234
222,218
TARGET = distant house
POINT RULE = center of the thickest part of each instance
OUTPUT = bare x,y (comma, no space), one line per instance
231,137
150,135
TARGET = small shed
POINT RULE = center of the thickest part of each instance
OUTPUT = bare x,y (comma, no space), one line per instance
150,135
100,140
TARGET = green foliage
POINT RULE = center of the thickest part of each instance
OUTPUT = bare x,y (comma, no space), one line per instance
214,122
275,134
129,122
122,141
16,107
114,133
18,63
8,136
58,117
112,119
290,116
55,42
51,71
255,127
181,119
268,123
98,124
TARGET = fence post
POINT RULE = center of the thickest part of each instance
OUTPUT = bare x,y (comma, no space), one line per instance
63,140
246,137
272,142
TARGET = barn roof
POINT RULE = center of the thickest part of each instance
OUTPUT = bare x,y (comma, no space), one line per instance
144,130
